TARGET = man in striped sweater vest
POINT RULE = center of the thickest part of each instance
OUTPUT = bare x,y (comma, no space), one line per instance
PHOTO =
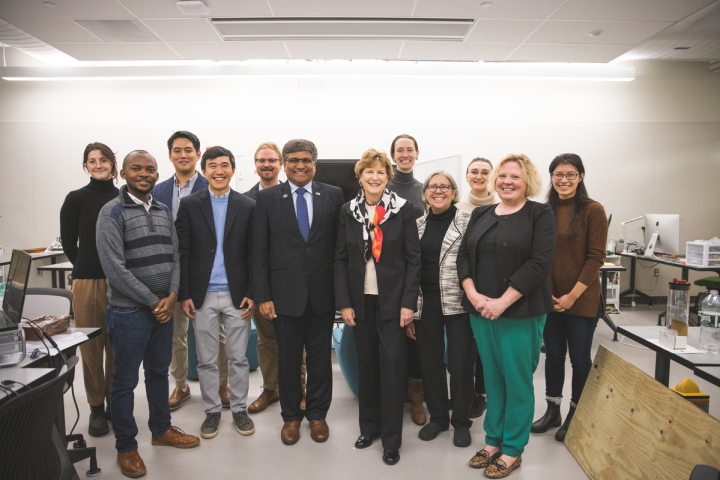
138,250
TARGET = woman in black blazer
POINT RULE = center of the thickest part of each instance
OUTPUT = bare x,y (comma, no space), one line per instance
503,265
377,277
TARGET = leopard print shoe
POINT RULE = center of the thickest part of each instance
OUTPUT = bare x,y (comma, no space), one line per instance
483,459
500,470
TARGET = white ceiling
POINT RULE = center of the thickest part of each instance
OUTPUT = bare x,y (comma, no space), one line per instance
508,30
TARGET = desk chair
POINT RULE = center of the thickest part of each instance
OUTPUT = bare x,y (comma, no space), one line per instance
47,301
30,445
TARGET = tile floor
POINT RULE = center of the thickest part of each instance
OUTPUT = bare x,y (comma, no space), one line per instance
262,455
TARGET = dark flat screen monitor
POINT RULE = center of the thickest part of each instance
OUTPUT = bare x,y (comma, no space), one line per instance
339,173
14,299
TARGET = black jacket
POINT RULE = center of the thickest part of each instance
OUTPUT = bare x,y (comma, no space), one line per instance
398,271
525,253
288,269
197,242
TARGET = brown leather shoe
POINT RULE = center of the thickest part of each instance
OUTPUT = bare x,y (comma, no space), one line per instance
178,396
224,392
174,437
290,432
131,465
483,459
500,470
303,402
266,398
319,430
416,396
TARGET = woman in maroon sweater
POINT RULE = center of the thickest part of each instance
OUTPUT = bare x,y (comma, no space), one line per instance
581,235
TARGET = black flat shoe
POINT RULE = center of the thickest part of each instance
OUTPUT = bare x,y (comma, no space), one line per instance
391,457
363,442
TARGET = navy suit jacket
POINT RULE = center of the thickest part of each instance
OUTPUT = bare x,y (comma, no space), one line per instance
289,270
197,241
162,192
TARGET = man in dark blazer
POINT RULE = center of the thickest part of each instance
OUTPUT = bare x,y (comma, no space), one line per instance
295,233
184,153
215,235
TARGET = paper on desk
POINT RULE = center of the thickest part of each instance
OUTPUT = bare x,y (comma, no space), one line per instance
63,340
687,349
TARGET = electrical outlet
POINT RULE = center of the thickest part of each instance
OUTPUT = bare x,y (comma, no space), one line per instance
657,272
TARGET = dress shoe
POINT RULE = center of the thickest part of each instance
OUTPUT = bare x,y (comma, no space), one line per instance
550,420
174,437
479,404
499,469
319,430
363,441
462,437
430,431
290,432
266,398
178,396
303,402
391,457
224,392
131,465
562,431
483,459
98,425
416,396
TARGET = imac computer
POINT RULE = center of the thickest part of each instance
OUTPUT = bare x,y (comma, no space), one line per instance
12,337
662,234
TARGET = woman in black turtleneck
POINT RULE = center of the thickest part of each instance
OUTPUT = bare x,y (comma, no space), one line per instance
78,216
439,310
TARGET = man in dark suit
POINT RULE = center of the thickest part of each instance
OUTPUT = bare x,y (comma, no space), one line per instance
184,153
295,233
215,241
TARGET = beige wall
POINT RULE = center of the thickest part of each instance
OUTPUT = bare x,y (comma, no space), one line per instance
650,146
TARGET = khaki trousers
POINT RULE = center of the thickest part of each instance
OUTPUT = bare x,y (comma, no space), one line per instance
89,305
179,363
268,352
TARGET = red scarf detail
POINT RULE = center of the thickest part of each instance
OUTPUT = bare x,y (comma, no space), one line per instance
378,237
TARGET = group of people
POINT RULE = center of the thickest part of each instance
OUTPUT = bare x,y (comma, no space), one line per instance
413,269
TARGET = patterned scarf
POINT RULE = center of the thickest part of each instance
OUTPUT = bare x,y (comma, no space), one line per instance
388,206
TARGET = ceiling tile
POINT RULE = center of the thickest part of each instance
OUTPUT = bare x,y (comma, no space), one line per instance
342,8
344,49
54,30
490,52
217,8
229,50
638,10
613,33
500,30
183,29
537,52
106,51
537,9
64,9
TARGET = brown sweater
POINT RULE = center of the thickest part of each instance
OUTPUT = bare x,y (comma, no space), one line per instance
579,255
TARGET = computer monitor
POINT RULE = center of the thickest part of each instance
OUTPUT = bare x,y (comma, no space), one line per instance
668,230
14,299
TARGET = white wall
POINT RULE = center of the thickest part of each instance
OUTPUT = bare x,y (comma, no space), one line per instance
650,146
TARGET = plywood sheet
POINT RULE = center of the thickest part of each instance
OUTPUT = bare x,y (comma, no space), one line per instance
627,425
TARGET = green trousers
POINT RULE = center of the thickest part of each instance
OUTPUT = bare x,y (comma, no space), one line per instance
510,351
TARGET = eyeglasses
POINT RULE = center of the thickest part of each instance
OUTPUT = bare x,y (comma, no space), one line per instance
442,188
271,161
570,175
477,173
294,161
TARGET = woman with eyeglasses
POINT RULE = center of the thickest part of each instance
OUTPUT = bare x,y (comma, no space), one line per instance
440,312
78,216
478,177
503,264
377,275
581,235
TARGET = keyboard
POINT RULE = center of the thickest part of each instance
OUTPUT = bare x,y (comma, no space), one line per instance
11,359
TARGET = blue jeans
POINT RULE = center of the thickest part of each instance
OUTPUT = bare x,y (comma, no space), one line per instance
567,333
137,337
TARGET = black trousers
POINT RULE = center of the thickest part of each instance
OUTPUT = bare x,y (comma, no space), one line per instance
461,357
312,331
382,361
413,358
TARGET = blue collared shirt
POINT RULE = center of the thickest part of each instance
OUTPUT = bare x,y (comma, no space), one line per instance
218,276
308,199
180,192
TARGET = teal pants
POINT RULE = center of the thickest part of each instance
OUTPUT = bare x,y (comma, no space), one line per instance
510,351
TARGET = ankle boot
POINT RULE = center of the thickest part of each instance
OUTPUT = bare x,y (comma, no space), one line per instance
98,425
416,396
550,420
560,434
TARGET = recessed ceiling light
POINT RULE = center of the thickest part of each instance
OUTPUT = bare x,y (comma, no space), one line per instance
49,4
192,7
486,5
595,33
